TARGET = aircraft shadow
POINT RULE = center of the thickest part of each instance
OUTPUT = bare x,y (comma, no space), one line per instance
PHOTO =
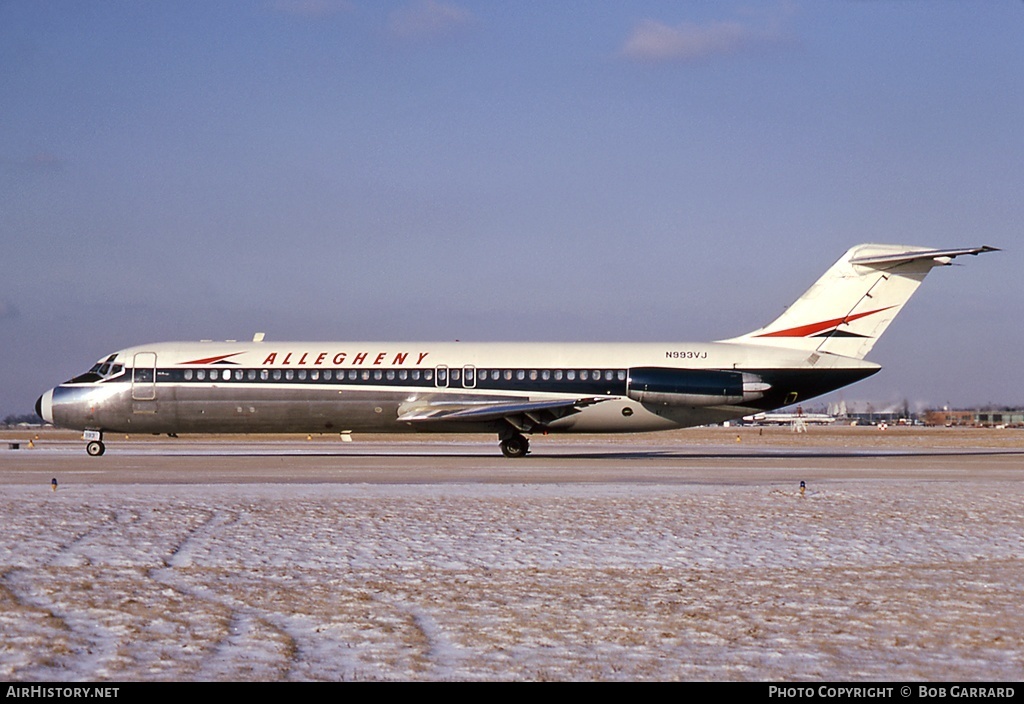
786,454
661,454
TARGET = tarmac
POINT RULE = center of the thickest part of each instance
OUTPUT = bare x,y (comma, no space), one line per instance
703,455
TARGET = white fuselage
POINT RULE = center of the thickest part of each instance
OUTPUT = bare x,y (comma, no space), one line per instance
392,386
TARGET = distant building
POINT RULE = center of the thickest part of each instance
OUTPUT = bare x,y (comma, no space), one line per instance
1003,418
880,417
976,419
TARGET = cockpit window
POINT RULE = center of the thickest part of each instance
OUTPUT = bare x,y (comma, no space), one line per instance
89,377
103,369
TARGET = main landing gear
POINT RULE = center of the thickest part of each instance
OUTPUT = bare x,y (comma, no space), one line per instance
515,445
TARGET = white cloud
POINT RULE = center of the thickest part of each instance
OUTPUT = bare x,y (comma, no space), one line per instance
655,41
428,18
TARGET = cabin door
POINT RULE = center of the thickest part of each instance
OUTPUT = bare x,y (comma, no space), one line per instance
144,380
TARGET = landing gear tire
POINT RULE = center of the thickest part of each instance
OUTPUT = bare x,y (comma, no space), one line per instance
515,446
95,448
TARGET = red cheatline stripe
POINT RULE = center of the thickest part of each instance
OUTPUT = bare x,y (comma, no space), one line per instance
212,360
807,330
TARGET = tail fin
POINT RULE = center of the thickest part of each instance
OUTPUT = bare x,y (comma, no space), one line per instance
852,304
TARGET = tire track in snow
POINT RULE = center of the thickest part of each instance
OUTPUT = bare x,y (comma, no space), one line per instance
77,643
435,654
25,623
251,643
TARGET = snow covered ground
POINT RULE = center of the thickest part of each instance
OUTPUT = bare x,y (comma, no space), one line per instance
857,580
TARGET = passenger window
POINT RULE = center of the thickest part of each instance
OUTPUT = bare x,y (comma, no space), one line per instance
188,375
200,374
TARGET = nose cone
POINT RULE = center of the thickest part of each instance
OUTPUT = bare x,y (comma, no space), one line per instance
44,406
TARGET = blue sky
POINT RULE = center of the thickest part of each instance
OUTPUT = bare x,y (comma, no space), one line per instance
348,169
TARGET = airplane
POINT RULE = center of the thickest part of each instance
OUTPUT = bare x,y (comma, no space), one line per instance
510,389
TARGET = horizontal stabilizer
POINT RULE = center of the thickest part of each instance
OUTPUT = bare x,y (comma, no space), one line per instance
939,256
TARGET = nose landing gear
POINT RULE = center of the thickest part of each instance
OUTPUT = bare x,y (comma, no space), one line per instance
94,447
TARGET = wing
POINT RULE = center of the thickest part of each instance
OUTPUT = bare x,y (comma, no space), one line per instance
523,416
